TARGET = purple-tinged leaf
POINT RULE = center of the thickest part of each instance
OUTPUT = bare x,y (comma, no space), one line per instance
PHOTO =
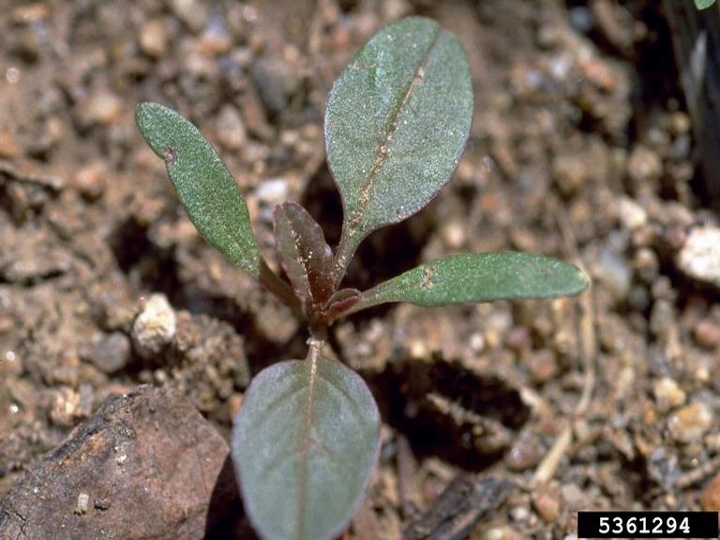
341,302
304,444
304,254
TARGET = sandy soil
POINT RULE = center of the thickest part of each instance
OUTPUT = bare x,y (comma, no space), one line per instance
581,148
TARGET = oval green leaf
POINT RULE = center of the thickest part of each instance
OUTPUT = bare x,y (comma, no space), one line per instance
206,188
703,4
478,277
396,123
305,442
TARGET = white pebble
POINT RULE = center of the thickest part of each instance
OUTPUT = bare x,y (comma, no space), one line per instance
668,394
154,328
631,214
690,423
700,256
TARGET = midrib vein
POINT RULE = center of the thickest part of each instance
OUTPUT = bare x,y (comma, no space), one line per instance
383,151
304,449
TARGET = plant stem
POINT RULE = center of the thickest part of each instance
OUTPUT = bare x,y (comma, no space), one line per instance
345,250
278,287
315,345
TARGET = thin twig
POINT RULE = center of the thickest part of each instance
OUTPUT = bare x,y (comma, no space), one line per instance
588,356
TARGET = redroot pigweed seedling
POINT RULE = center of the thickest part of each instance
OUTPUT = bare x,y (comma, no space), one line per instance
306,437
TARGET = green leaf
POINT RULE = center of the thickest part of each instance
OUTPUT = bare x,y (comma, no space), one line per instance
305,442
478,277
702,4
206,189
396,124
304,254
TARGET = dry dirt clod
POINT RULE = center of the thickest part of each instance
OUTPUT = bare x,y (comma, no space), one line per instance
154,328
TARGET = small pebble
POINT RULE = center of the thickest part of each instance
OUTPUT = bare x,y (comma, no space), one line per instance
32,12
680,123
102,107
111,352
275,82
644,165
272,191
710,496
663,467
65,409
8,145
646,264
707,333
581,18
90,180
631,214
668,394
496,532
517,339
570,173
65,375
615,272
154,38
216,38
699,258
547,505
453,234
154,328
193,13
542,366
102,504
690,423
82,504
524,453
231,128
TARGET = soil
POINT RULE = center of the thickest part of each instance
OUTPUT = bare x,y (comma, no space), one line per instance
581,148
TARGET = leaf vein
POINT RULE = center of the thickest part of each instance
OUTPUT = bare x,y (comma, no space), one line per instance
383,150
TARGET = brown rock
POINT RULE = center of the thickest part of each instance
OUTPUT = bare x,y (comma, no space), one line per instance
147,465
710,496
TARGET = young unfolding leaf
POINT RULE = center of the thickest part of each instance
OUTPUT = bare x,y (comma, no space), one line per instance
478,277
304,254
341,302
206,189
702,4
305,442
396,123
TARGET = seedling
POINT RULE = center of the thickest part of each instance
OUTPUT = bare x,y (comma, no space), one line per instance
306,438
